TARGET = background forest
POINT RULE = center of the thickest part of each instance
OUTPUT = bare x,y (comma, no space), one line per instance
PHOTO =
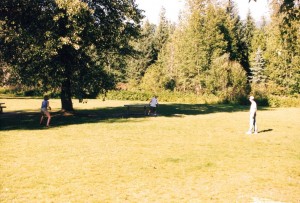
211,51
209,56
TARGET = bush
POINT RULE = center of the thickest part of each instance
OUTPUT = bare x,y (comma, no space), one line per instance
163,96
34,92
265,96
22,92
227,79
128,95
284,101
178,97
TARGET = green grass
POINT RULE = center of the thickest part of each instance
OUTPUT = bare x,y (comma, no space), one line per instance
189,153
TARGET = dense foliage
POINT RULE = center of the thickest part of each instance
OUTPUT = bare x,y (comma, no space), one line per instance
211,51
59,44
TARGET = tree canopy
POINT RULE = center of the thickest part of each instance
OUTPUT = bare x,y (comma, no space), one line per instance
59,44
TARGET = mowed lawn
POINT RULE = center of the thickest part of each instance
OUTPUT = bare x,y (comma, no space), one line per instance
189,153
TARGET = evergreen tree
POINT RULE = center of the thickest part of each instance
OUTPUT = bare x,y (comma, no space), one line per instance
195,43
257,69
259,39
232,29
283,50
246,41
203,35
162,32
153,39
145,55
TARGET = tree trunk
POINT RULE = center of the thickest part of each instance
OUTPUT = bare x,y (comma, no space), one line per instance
66,96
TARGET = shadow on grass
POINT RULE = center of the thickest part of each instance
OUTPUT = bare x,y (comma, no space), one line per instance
30,120
196,109
264,131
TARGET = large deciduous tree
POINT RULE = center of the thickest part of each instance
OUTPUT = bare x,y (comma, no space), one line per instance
66,44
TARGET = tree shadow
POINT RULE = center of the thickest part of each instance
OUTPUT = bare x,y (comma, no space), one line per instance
196,109
30,120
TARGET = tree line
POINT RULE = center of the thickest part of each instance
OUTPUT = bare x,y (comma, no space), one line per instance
212,51
81,48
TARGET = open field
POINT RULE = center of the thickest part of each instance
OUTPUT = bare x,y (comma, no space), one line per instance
189,153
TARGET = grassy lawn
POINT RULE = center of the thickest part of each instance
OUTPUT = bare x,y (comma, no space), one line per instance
189,153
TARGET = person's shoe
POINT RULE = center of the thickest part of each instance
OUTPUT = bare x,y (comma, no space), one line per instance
248,133
255,132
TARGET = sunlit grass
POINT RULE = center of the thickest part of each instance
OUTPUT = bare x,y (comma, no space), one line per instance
186,157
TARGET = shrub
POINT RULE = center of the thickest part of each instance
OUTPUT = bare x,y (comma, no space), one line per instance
266,96
284,101
163,96
227,79
33,92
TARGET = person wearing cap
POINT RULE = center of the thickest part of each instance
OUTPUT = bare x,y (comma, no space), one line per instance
253,123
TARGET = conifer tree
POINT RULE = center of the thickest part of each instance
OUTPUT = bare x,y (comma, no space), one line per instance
283,50
153,39
145,54
257,69
232,29
246,41
259,38
162,31
198,40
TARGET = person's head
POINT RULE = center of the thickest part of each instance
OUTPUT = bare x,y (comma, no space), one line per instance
251,98
46,97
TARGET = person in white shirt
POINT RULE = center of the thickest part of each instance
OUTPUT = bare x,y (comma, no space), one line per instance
153,104
253,122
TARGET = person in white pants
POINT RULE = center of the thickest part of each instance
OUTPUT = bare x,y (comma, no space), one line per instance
253,122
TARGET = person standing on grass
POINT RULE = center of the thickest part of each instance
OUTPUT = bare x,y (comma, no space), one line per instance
253,122
44,111
153,104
